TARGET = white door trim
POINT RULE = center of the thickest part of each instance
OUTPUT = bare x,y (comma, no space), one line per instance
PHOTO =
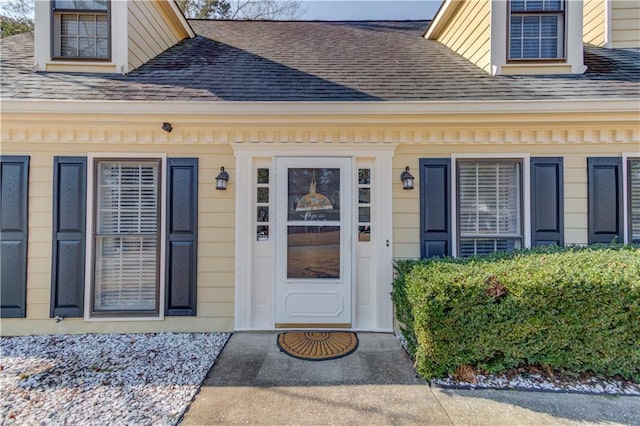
244,233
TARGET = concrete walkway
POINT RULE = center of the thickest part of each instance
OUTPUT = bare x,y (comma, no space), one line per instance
254,383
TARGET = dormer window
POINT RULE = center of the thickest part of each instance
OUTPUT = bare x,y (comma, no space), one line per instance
81,29
536,29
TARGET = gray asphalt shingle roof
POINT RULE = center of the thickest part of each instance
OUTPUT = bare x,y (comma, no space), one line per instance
314,61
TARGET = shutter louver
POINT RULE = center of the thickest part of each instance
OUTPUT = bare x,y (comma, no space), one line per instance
69,227
547,201
435,217
605,199
634,201
14,184
182,236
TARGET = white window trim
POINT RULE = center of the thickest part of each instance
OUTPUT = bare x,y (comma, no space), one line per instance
561,36
89,246
119,40
574,52
526,193
625,192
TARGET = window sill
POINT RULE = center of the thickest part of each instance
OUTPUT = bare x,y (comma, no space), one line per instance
81,66
123,319
532,68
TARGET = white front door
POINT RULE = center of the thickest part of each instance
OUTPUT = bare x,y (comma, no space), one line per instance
313,242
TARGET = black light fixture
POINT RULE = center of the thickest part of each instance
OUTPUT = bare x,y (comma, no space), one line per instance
167,127
407,179
222,179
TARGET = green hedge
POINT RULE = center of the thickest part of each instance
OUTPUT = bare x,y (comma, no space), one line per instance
574,310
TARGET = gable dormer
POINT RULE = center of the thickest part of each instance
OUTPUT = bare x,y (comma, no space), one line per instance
104,36
514,36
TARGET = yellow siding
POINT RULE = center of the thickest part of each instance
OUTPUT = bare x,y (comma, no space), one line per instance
406,204
468,32
593,22
625,24
573,136
216,219
149,30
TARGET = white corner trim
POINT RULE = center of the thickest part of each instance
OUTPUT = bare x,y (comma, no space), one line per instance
625,193
89,241
444,13
181,18
607,23
526,193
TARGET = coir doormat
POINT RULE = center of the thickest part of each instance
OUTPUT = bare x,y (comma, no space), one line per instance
318,345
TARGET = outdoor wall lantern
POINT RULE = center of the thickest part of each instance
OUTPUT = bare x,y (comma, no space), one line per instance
222,179
167,127
407,179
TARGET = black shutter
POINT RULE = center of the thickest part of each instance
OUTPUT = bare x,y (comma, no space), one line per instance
435,207
182,236
69,228
605,199
547,201
14,181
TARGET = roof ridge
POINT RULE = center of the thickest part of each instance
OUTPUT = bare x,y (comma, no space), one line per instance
306,20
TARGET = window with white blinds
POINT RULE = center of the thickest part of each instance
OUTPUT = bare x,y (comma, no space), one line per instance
634,200
127,236
81,29
489,206
536,29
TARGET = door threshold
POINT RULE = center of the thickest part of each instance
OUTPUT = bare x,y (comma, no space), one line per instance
312,325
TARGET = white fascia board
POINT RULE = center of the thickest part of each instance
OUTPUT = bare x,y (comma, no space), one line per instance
181,18
288,110
443,15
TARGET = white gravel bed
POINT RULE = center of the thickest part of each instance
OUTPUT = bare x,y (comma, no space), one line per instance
541,382
100,379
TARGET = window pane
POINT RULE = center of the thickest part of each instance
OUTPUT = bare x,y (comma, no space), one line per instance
549,26
314,194
488,203
263,214
634,200
102,27
530,49
87,25
364,214
69,46
126,244
313,252
263,195
125,276
128,198
69,25
483,246
102,48
364,195
81,4
364,176
364,233
262,233
533,5
517,5
549,48
86,47
263,175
